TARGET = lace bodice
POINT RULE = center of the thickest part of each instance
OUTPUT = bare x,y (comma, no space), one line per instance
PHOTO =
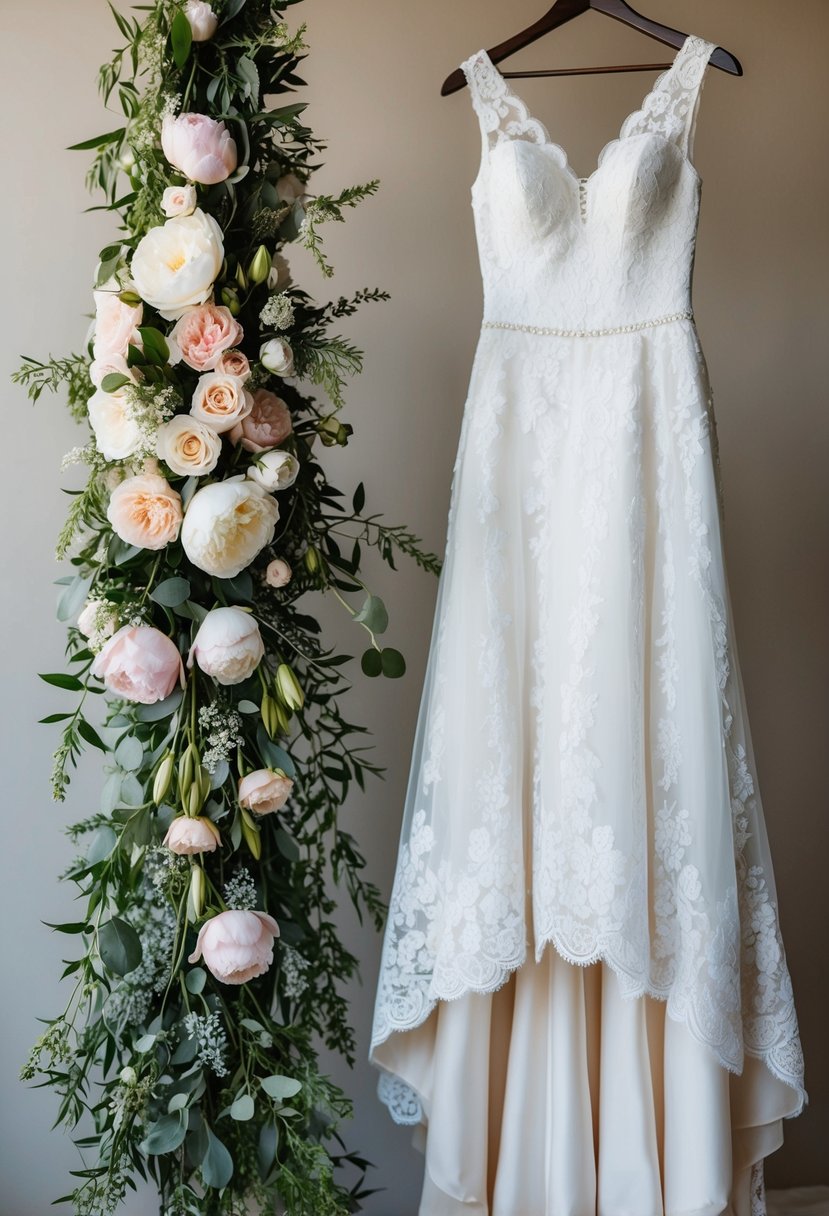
579,253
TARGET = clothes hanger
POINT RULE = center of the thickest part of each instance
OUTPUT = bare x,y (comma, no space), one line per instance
564,11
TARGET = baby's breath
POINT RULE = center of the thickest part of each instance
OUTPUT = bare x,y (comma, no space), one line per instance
278,312
222,729
240,891
211,1039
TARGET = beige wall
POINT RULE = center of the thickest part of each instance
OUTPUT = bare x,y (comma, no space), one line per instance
761,304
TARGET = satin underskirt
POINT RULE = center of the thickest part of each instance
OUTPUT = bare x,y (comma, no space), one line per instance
557,1096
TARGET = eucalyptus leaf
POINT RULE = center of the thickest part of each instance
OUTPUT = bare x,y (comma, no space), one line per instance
101,845
393,663
119,946
266,1148
111,793
132,791
172,592
217,1164
160,709
195,980
166,1135
243,1108
371,662
130,753
73,598
373,614
280,1087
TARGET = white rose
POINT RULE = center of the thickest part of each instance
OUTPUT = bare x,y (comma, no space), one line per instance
116,323
109,365
117,436
277,356
227,646
178,200
278,573
176,263
274,470
220,401
227,524
203,21
189,447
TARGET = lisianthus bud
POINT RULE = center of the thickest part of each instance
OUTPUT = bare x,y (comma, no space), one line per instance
312,560
270,716
197,891
187,770
163,778
288,688
231,300
241,278
260,265
250,832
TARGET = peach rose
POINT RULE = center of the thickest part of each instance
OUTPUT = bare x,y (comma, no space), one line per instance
221,401
202,148
115,323
140,663
187,835
178,200
187,446
203,333
266,426
264,791
237,945
145,511
233,363
278,573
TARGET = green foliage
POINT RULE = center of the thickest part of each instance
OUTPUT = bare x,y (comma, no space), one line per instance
213,1090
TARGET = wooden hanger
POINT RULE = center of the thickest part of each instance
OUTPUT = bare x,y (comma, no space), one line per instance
564,11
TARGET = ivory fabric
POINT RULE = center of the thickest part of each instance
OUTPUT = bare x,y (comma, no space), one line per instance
584,1006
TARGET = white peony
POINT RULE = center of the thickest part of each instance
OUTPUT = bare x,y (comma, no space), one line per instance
176,263
227,524
274,470
187,446
227,646
276,355
117,436
203,21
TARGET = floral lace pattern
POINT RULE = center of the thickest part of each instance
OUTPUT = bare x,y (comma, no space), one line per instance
582,774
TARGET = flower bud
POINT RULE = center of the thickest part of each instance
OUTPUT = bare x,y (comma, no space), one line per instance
163,778
288,688
231,300
270,715
197,890
187,770
128,1076
260,265
240,277
312,560
195,799
250,832
332,432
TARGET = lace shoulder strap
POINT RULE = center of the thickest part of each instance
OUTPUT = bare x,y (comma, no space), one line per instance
670,108
502,115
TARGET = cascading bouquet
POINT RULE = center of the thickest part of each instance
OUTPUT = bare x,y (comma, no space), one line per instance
209,968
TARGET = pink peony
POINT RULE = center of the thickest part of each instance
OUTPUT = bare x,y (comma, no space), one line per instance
267,424
202,148
140,663
187,835
236,946
203,333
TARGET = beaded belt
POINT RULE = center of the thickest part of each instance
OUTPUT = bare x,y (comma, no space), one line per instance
548,331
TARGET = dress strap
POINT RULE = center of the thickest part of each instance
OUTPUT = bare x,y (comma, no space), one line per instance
502,115
670,108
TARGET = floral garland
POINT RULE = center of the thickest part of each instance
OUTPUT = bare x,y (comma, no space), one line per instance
209,965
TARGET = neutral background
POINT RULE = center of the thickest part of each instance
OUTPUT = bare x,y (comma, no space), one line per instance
760,296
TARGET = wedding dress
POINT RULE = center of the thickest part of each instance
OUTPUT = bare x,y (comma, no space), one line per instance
584,1007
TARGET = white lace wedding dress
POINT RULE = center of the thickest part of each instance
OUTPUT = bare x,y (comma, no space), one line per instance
583,788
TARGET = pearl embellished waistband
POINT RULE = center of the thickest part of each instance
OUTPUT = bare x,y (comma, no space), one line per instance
551,332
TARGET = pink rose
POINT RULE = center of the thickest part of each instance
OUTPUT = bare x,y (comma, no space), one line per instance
202,148
203,333
233,363
236,946
187,835
140,663
145,511
278,573
264,791
267,424
115,324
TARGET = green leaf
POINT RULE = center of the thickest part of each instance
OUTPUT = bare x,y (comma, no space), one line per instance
50,718
373,614
166,1135
113,381
171,593
181,36
99,141
195,980
111,793
243,1108
286,844
153,340
160,709
72,599
248,74
130,754
91,736
217,1165
359,499
281,1087
101,845
232,9
61,680
120,949
78,926
393,663
145,1043
371,662
266,1149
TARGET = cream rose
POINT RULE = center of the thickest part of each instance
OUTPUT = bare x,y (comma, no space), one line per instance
227,524
178,200
274,470
236,945
176,264
276,355
187,446
266,426
188,835
278,573
116,323
140,664
233,363
203,333
202,148
145,511
228,646
264,791
221,401
117,436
